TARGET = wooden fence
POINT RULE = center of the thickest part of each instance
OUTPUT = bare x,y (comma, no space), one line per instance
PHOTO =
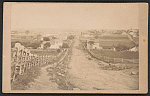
109,59
22,59
113,60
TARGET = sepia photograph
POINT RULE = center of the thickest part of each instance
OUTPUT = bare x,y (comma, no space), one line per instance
75,47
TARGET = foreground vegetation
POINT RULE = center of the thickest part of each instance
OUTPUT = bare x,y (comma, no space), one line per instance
21,82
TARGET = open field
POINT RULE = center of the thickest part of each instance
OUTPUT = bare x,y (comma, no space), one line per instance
114,36
44,52
117,54
115,40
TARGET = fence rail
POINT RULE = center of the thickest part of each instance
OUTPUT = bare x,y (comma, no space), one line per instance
22,59
109,59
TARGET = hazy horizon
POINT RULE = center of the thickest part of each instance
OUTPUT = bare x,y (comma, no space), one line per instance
73,16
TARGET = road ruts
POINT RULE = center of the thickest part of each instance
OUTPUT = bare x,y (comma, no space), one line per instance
85,74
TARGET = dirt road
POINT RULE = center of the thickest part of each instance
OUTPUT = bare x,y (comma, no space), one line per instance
43,82
86,74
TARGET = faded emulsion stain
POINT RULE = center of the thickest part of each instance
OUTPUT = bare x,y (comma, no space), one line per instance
144,40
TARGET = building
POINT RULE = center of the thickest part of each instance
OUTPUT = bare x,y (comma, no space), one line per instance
134,32
97,44
124,33
54,44
134,49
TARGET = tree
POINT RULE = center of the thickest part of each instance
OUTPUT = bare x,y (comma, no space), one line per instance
65,45
70,37
91,42
46,39
46,45
96,37
27,32
34,45
54,37
39,37
13,43
58,50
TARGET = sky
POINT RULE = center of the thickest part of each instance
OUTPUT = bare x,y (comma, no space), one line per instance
74,16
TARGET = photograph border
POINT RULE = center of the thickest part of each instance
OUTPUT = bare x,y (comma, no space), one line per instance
144,42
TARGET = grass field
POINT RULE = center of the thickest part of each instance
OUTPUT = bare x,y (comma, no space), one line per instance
114,36
116,54
44,52
114,40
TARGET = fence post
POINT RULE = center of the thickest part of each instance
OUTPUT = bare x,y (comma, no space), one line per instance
122,60
114,60
29,64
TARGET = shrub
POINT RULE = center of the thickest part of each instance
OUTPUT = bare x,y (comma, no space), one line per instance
46,39
91,42
34,45
70,37
65,45
58,50
46,45
21,82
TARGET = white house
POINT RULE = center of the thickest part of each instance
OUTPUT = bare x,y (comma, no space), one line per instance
17,45
96,46
42,44
134,49
124,33
134,34
89,46
55,46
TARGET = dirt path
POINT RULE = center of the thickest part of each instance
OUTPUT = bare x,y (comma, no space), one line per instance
43,82
86,74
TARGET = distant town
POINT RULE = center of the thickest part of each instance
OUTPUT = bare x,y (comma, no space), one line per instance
117,40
